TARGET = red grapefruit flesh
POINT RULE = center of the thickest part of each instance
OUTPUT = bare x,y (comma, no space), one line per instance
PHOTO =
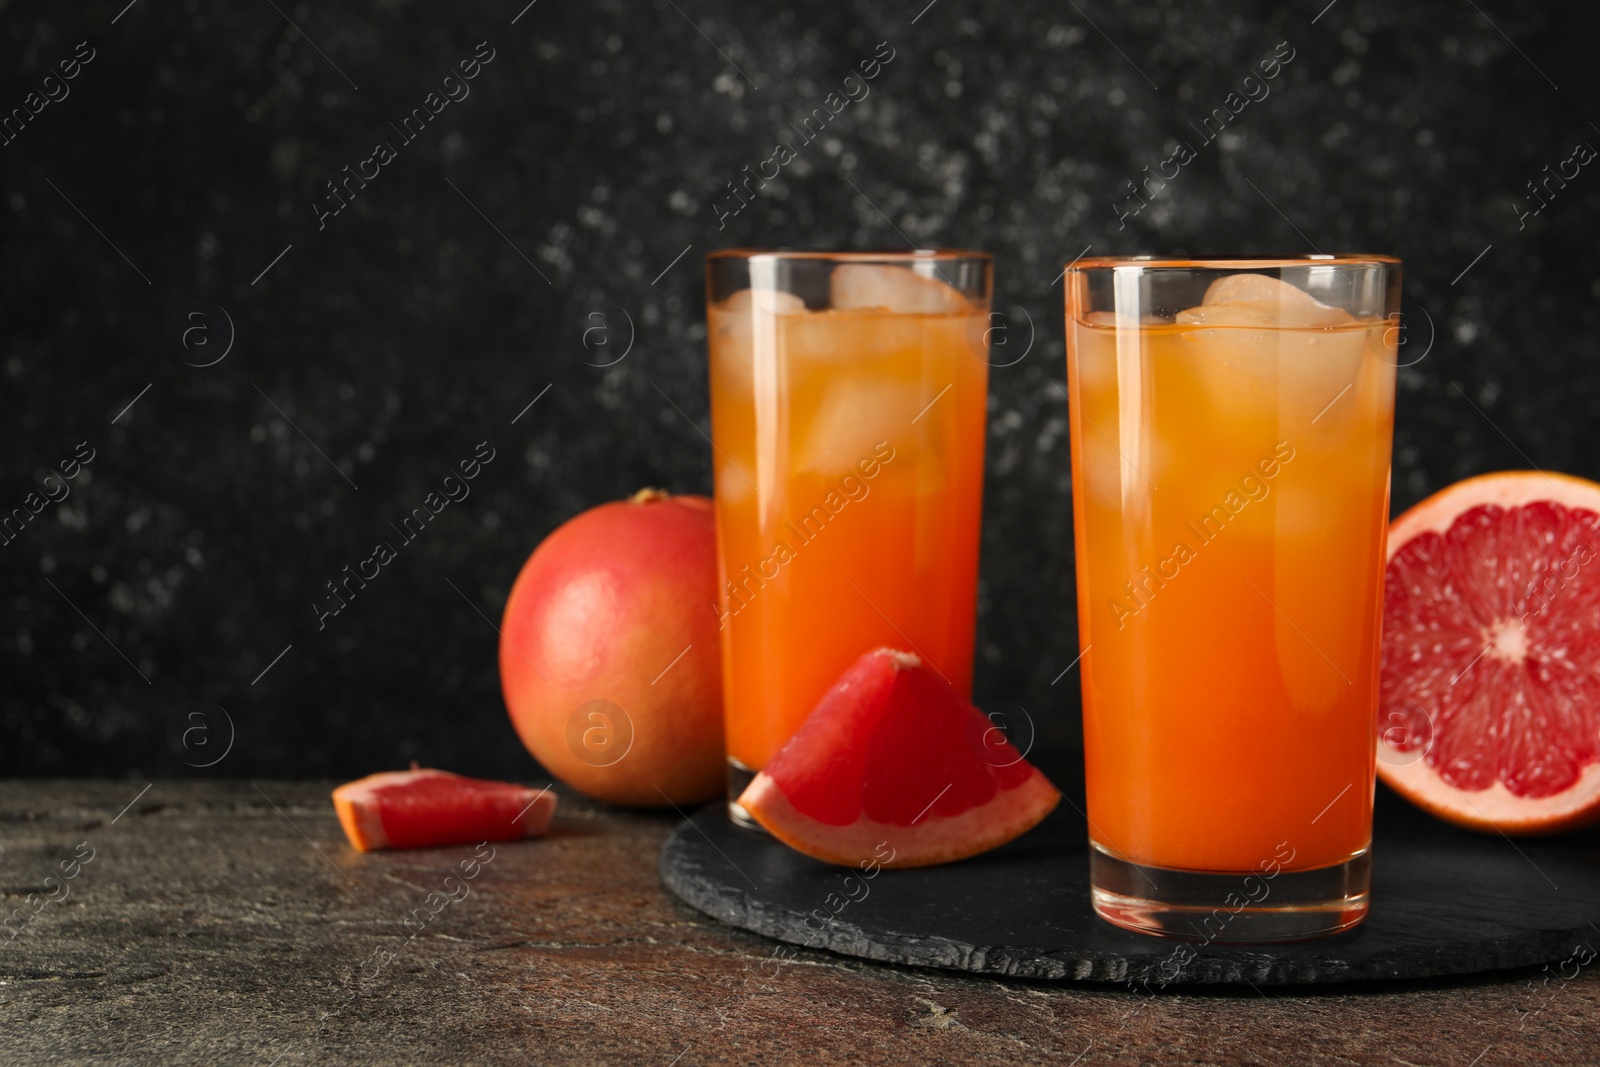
424,808
894,767
1489,705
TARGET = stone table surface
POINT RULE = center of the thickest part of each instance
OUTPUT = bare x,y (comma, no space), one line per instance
230,922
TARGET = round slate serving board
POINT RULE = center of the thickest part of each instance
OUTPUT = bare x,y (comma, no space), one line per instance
1445,902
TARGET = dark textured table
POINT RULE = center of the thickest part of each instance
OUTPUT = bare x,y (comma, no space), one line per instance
225,923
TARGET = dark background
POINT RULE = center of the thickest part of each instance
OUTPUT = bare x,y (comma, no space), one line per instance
457,287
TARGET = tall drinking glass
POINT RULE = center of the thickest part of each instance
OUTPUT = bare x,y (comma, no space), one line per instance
848,395
1231,425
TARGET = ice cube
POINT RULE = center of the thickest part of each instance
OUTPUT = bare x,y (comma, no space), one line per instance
853,417
1095,356
1101,469
737,331
849,339
774,301
1261,300
1261,378
733,480
897,289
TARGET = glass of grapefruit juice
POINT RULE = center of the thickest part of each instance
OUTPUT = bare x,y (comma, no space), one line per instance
848,399
1231,424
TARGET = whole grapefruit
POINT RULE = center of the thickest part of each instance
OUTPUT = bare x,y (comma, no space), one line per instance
609,652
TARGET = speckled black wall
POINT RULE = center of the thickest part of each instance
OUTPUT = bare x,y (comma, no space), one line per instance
576,181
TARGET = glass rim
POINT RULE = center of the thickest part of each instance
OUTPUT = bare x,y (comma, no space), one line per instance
915,255
1176,263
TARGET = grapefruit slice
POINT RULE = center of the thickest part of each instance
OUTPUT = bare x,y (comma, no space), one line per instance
421,808
894,768
1489,704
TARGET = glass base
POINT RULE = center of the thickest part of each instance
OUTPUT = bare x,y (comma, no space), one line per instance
740,776
1230,909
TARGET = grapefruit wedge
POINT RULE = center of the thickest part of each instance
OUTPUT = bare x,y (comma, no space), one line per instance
421,808
895,768
1489,704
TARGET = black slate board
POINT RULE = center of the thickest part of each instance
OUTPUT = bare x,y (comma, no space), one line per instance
1445,902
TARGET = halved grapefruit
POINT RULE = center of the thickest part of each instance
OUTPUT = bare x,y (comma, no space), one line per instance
1489,705
895,768
421,808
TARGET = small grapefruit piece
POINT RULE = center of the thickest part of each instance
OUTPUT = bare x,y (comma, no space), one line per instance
421,808
894,767
1489,704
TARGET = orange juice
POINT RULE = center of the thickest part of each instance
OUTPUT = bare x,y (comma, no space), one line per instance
1230,470
849,466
